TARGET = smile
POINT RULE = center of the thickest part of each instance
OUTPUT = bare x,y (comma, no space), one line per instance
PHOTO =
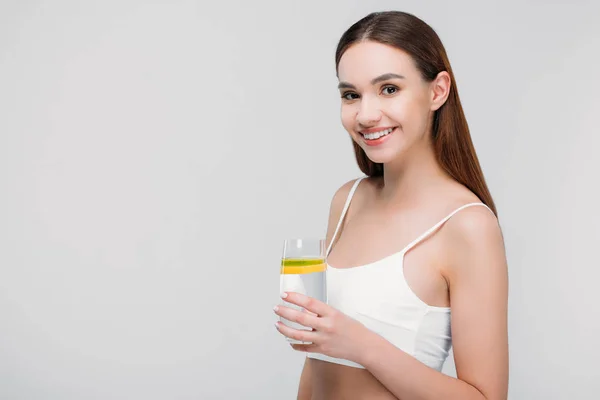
378,134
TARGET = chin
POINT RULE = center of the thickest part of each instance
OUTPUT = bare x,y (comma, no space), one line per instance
383,156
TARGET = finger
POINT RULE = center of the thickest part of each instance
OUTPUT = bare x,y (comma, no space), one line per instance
305,318
310,303
307,348
296,334
309,312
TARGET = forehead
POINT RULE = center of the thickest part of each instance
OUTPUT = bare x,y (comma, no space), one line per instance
365,60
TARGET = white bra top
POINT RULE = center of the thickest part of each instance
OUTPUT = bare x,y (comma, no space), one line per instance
378,296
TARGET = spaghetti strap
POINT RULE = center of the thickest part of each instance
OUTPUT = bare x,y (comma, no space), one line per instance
439,224
344,210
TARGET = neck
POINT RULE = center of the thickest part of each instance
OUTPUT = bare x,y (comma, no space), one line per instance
414,179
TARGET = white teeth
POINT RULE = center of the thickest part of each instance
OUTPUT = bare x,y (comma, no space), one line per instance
377,135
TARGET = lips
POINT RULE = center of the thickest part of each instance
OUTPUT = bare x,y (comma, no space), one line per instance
378,141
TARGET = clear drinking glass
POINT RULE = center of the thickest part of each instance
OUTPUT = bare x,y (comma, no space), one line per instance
303,271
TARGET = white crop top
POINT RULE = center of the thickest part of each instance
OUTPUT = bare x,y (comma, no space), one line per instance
378,296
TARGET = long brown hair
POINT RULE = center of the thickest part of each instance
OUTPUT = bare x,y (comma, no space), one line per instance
453,146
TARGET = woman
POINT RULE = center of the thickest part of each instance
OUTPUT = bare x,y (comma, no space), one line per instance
416,261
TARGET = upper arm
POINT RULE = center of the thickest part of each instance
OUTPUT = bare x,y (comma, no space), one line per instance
478,278
335,210
336,207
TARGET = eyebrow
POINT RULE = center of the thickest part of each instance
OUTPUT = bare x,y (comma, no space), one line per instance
384,77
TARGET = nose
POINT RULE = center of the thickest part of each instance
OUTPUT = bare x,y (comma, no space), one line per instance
369,112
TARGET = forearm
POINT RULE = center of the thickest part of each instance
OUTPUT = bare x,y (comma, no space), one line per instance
409,379
305,386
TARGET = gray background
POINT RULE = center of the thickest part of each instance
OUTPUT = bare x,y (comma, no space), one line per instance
153,155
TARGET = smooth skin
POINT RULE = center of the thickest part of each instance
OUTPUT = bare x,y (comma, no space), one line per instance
463,264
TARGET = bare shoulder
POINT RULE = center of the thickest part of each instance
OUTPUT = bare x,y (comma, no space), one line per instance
474,224
341,194
474,233
337,204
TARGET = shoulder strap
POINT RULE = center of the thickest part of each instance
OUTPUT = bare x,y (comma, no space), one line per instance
439,224
344,210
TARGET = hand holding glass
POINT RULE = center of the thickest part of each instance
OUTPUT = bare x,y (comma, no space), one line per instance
303,270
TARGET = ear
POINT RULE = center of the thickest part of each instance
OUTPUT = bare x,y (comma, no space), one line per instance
440,89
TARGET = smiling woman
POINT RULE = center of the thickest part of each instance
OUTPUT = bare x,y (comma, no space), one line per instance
419,257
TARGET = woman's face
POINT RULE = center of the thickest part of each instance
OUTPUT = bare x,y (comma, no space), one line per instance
386,104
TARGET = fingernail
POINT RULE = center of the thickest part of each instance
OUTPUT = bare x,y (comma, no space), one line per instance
284,295
277,325
275,308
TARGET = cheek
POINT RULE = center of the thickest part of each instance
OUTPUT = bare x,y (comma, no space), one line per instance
348,116
408,112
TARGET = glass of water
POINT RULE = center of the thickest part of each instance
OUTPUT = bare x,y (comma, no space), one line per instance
303,270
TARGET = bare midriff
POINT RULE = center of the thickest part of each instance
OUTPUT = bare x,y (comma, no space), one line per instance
332,381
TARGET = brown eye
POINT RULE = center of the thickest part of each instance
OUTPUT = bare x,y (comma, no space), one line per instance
390,89
348,95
